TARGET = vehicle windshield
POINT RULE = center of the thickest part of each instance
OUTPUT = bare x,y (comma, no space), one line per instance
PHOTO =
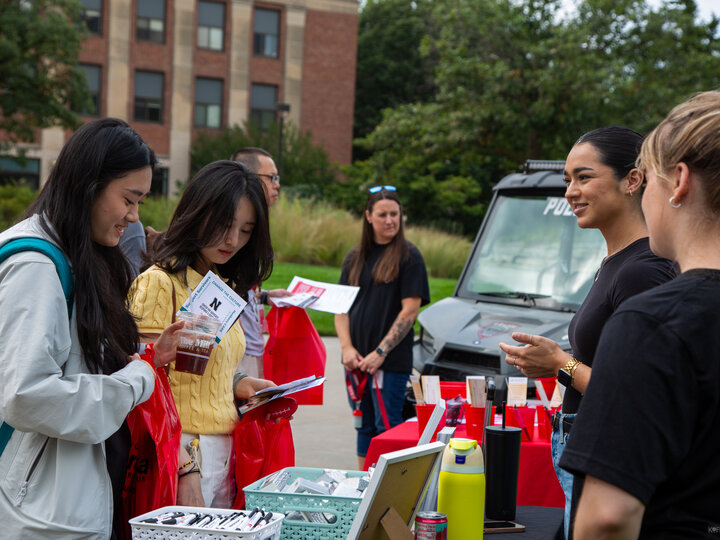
532,252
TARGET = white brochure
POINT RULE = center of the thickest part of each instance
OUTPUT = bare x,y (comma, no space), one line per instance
318,295
212,297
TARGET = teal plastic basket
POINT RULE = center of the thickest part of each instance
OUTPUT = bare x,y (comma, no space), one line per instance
344,508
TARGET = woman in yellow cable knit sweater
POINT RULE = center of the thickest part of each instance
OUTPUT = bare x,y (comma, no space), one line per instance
220,224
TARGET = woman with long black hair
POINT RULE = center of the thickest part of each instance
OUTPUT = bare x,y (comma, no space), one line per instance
220,224
376,336
604,189
69,381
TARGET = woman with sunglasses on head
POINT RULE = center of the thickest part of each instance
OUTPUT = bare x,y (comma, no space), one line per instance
646,435
604,189
70,370
220,225
376,335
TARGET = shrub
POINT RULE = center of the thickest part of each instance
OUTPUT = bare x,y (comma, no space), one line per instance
157,212
313,232
306,170
14,199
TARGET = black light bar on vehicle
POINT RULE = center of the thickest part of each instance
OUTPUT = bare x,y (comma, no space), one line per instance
537,165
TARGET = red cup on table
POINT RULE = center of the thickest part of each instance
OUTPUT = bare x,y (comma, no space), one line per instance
475,421
544,420
423,415
524,418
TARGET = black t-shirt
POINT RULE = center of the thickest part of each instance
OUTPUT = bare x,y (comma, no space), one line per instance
650,420
624,274
377,306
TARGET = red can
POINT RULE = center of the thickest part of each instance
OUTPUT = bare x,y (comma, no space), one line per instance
430,526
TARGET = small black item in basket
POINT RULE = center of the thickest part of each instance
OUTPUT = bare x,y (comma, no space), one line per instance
455,410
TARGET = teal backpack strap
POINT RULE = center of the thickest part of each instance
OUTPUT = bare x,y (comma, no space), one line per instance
50,250
62,266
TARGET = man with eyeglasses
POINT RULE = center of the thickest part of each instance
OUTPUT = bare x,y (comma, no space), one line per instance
261,163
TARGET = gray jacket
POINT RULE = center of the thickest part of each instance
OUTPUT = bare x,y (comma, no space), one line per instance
53,476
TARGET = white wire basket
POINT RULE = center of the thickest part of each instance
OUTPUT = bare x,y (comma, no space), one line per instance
158,531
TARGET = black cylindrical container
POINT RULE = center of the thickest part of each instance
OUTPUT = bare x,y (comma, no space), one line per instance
502,451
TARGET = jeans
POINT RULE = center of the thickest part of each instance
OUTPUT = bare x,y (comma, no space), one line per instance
393,395
557,445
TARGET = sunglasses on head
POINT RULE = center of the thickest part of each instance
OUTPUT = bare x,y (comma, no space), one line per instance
375,189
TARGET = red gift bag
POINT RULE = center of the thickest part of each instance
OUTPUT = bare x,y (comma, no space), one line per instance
293,351
152,473
261,448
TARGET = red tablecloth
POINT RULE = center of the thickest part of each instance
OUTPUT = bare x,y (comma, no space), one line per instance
537,483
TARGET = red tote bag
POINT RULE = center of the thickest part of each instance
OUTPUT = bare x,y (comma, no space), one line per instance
293,351
151,478
261,448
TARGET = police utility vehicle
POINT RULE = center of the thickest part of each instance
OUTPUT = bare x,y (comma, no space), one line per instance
529,270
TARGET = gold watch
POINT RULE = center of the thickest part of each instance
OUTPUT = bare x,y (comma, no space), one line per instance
567,372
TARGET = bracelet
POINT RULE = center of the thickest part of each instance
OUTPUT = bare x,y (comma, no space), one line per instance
185,465
264,298
194,469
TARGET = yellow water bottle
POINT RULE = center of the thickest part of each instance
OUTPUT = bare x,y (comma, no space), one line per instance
461,489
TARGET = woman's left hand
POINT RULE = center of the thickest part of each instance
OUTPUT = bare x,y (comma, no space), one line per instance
248,386
371,363
166,345
189,492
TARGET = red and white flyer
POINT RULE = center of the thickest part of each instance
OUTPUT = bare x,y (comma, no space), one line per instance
328,297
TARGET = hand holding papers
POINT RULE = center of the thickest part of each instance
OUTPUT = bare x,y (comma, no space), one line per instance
212,297
266,395
318,295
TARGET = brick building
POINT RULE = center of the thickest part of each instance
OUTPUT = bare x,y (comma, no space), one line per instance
174,67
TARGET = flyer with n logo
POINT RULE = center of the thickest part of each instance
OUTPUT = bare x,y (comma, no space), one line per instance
212,297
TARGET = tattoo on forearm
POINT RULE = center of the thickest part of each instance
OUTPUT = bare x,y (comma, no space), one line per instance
397,332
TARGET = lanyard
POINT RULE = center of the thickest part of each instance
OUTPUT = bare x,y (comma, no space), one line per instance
356,382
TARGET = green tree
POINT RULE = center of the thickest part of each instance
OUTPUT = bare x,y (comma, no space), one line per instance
40,82
390,69
306,169
518,80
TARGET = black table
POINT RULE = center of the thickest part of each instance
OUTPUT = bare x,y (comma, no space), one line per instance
541,523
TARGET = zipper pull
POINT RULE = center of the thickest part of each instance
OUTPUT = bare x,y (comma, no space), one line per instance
21,494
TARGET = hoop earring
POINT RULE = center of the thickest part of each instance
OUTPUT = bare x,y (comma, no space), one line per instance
673,204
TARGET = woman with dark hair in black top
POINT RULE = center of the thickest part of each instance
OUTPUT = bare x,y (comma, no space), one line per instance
646,435
376,335
604,189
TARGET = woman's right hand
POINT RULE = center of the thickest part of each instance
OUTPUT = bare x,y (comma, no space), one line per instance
166,345
539,357
351,358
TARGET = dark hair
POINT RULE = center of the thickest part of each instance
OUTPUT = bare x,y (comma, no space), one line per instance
204,214
618,147
98,153
249,156
387,268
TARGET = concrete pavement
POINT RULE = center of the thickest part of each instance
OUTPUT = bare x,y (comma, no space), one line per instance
323,434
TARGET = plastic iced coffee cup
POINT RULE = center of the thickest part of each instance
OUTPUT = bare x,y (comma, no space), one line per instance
195,342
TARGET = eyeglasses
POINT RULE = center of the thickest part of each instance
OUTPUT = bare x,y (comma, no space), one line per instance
274,178
375,189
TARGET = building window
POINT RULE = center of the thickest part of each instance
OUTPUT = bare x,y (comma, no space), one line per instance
266,32
92,74
151,20
92,15
263,101
148,96
208,102
13,171
159,184
211,25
